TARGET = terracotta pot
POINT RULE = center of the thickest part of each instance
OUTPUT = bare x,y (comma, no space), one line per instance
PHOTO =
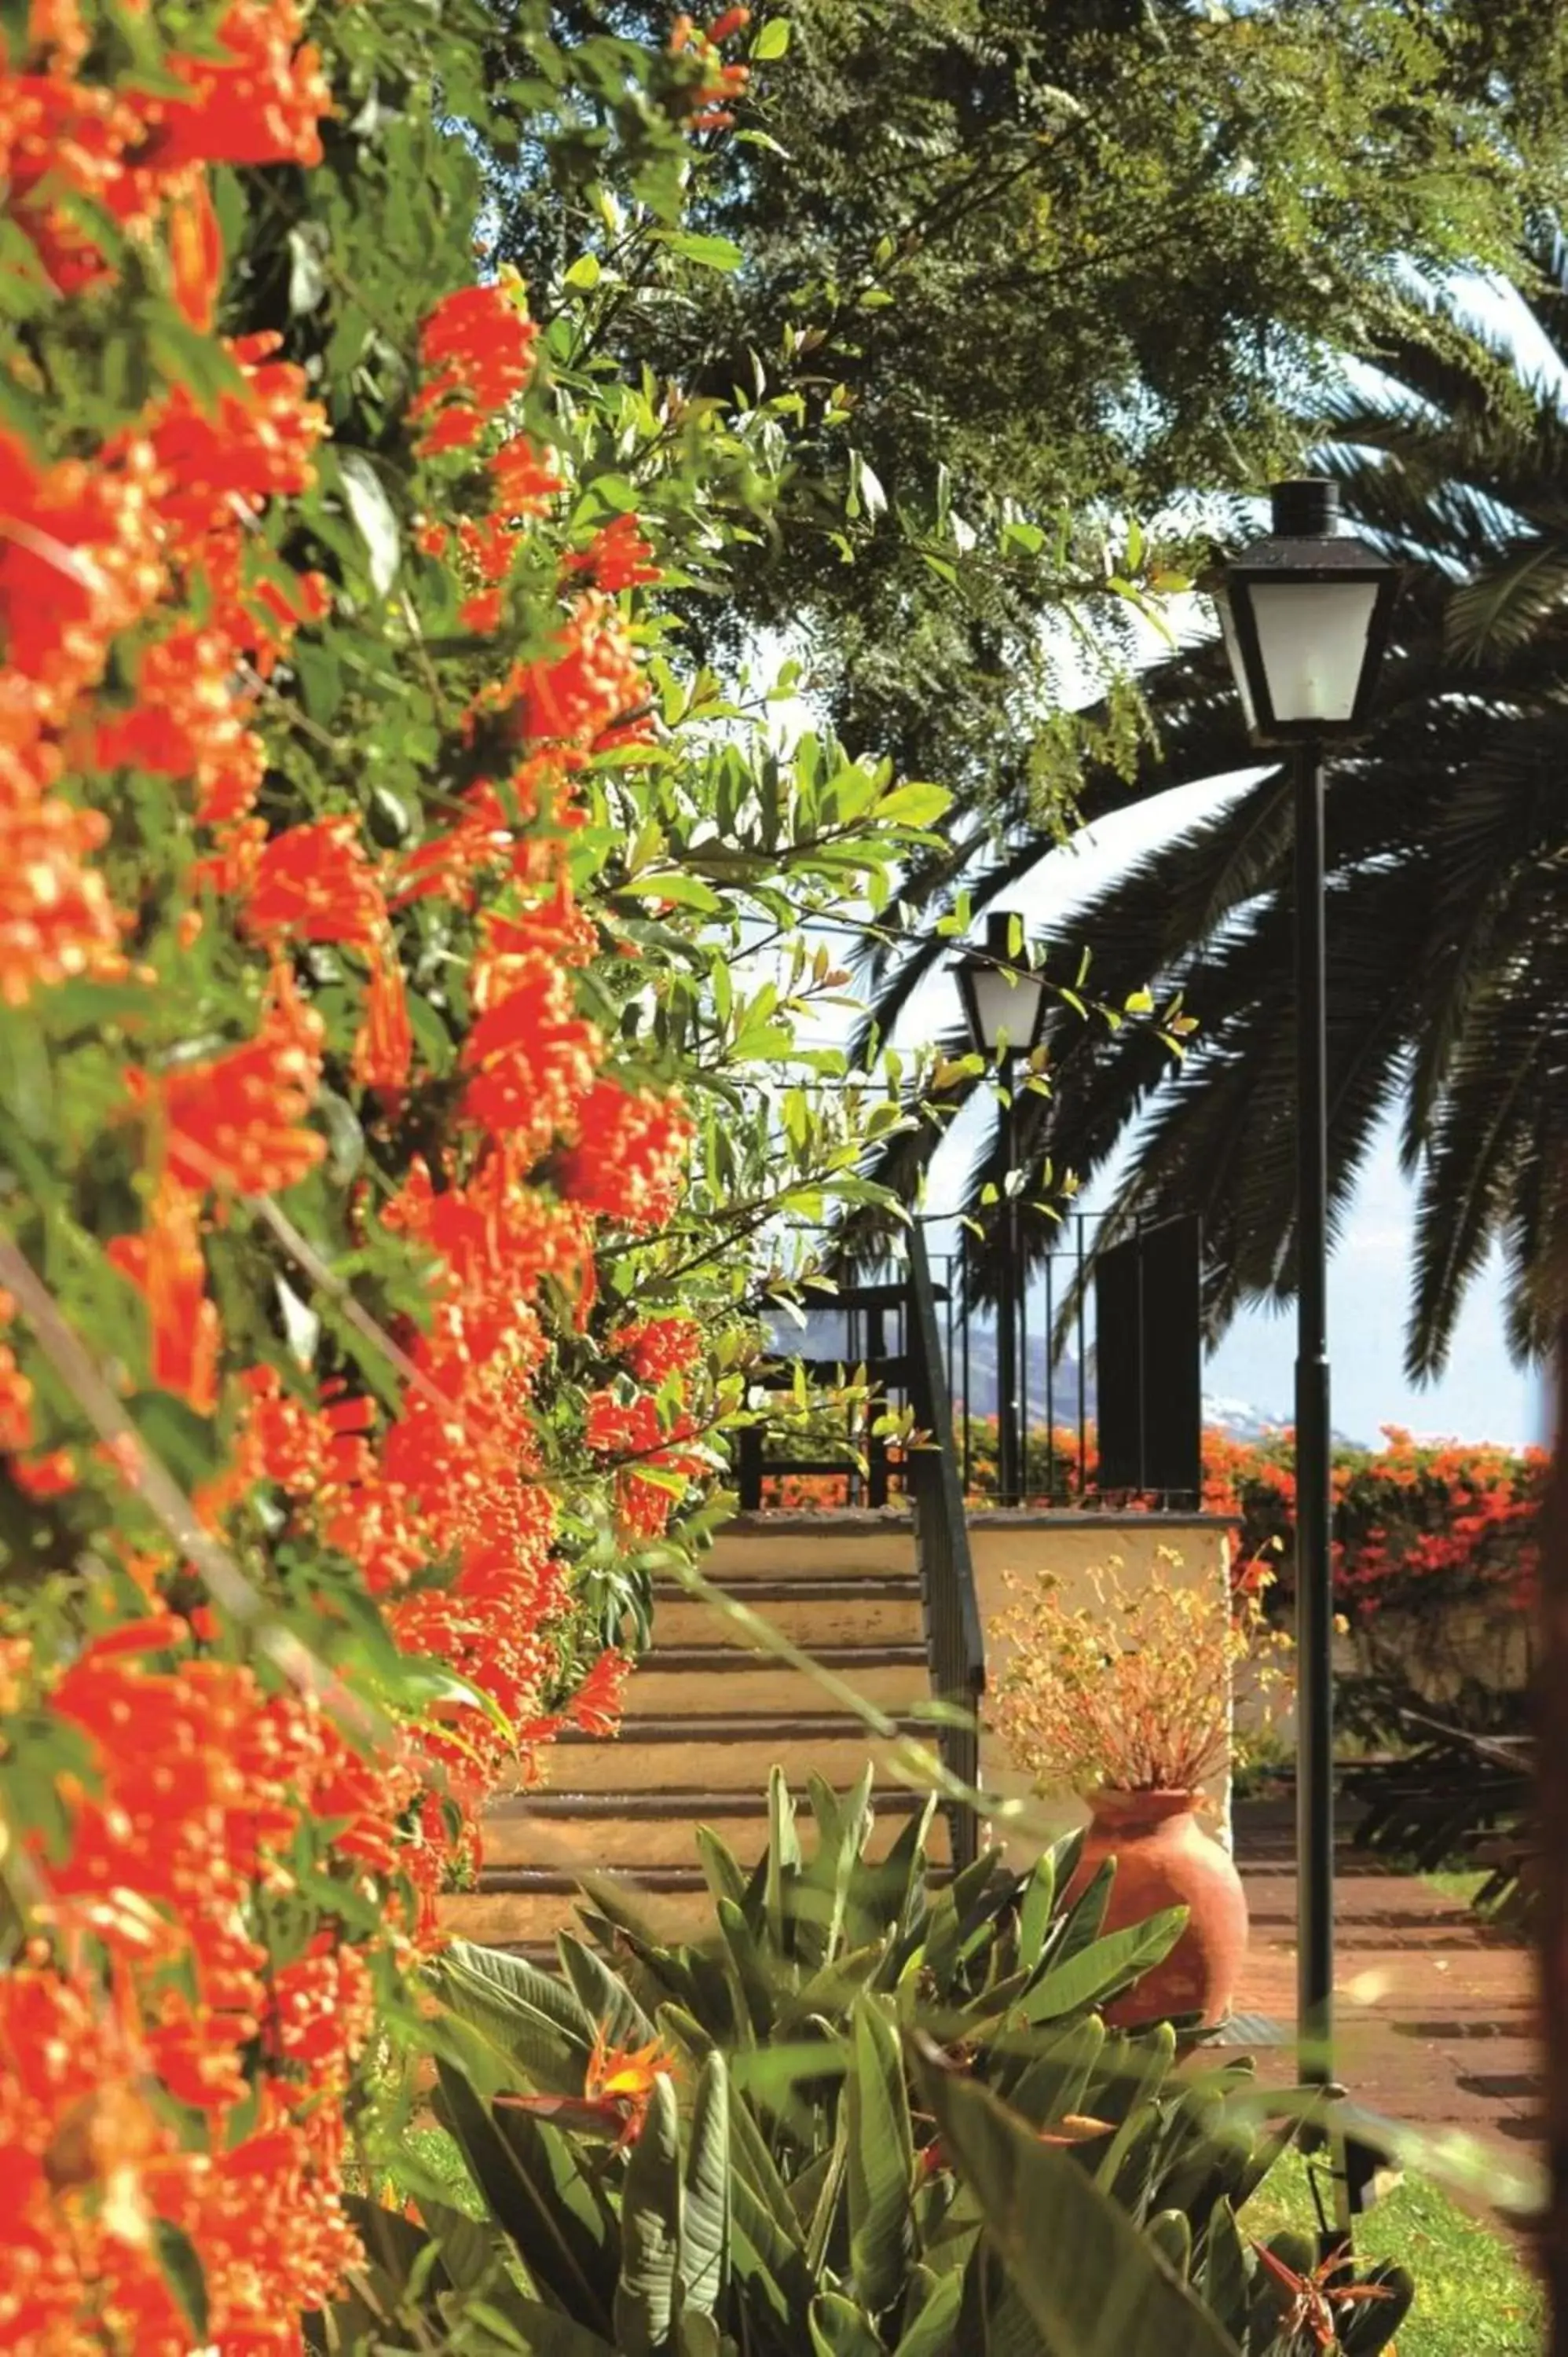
1165,1858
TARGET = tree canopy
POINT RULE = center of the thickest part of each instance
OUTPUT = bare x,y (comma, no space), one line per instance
1032,267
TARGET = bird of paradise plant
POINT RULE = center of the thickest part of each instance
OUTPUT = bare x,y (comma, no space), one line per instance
1310,2301
618,2087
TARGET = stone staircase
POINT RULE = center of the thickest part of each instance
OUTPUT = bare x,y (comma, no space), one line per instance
707,1717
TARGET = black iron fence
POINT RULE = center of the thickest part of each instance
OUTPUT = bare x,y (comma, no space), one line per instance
1109,1374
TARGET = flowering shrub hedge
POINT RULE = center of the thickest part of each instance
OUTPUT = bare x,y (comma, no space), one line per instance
376,1153
1416,1523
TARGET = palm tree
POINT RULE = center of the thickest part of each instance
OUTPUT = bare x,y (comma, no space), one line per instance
1447,840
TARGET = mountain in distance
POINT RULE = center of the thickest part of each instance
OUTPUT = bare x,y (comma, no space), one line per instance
825,1336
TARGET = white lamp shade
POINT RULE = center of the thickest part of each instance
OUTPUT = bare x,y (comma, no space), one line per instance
1305,615
1312,643
1237,660
1006,1009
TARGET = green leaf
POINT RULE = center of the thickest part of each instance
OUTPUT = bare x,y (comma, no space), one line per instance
181,2270
1227,2285
914,805
1110,1965
645,2298
881,2161
1171,2235
755,1986
772,42
720,1866
544,2331
1093,2284
187,1443
675,885
308,244
606,1999
374,518
534,2022
704,2212
839,2329
539,2195
783,1858
929,2332
1056,2081
1034,1911
696,2335
714,253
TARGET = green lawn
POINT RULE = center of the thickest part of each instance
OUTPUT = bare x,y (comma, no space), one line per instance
1474,2296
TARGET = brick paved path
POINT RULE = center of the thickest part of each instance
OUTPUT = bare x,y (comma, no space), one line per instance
1435,2014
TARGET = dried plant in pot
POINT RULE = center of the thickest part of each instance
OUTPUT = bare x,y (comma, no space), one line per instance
1126,1701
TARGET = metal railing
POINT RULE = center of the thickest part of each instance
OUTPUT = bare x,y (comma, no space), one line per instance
1109,1363
953,1632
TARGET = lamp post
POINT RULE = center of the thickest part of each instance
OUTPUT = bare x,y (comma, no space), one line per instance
1305,614
1005,1007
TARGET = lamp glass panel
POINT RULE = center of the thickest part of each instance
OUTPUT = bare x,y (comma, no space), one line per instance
1238,661
1008,1007
1312,639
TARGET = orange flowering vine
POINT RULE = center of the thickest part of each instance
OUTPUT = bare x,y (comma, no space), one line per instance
237,1868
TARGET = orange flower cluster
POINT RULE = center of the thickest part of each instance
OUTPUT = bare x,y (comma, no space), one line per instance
200,1784
634,1437
244,1877
720,85
656,1349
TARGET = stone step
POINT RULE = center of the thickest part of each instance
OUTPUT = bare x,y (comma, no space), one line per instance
774,1545
675,1681
674,1902
526,1919
719,1752
565,1830
812,1610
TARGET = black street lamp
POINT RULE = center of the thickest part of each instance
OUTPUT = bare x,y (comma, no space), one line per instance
1305,614
1005,1007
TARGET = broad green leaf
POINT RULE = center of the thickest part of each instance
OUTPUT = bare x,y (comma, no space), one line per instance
674,885
180,2264
914,805
539,2050
696,2335
881,2161
1054,2081
1110,1965
704,2211
1226,2281
539,2195
606,1999
755,1984
1094,2284
645,2299
839,2329
720,1866
1171,2235
929,2332
714,253
783,1855
543,2332
1034,1911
